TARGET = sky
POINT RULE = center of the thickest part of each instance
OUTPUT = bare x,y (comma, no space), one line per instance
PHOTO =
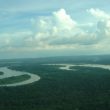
43,28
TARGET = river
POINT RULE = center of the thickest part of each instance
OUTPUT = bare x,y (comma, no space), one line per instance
10,73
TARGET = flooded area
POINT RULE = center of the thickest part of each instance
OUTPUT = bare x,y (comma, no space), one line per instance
68,66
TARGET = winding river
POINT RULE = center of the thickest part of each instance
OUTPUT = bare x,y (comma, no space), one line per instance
68,66
10,73
33,77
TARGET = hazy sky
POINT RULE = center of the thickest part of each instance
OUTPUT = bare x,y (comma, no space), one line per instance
39,28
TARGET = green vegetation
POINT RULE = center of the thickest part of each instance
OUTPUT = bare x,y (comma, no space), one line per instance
1,73
14,79
84,89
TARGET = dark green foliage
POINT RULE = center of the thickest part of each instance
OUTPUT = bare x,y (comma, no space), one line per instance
1,73
84,89
14,79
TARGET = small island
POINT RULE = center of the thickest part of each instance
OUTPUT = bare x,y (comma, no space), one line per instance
14,79
1,73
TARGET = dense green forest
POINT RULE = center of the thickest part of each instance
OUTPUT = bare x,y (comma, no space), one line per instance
84,89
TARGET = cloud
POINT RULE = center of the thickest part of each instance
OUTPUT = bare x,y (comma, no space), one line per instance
13,40
100,14
103,24
60,31
103,28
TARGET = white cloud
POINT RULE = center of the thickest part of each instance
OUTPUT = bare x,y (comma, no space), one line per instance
103,29
100,14
103,21
63,20
61,31
15,39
